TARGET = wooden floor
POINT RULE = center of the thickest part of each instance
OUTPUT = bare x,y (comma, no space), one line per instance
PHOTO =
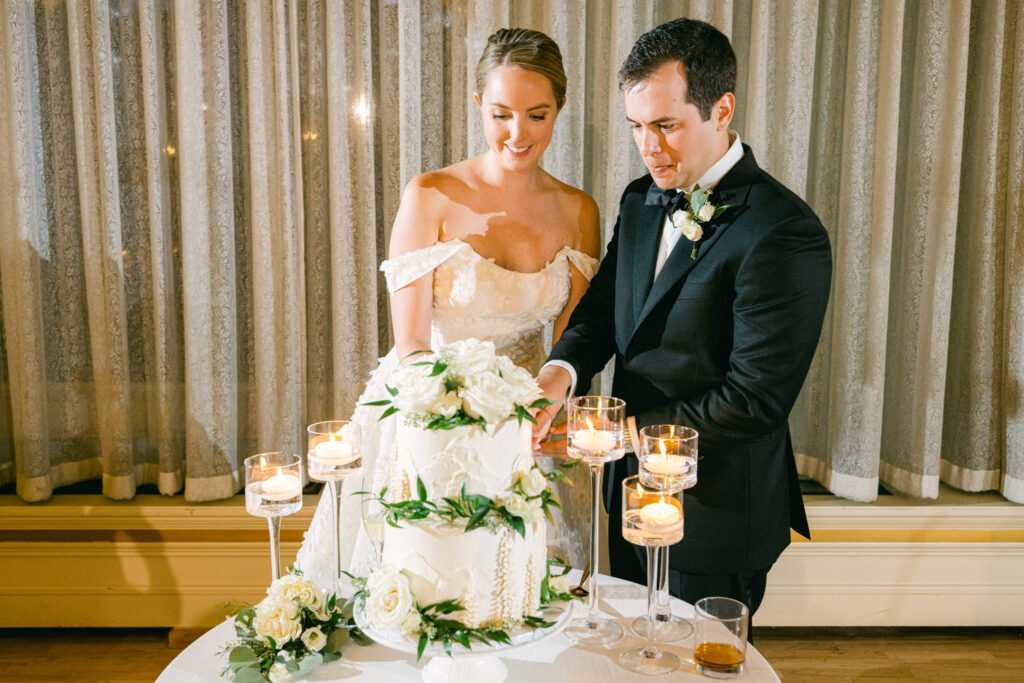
991,654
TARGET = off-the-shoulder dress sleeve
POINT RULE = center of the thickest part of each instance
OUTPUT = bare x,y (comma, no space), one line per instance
412,265
585,263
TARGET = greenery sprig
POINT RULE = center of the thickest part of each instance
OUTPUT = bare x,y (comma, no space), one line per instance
478,510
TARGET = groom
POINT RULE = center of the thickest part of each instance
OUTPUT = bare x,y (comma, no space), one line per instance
712,325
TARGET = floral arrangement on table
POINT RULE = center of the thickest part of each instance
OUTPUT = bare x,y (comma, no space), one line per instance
463,383
388,604
292,631
528,500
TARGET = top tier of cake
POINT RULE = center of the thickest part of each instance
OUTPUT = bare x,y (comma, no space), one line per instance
488,462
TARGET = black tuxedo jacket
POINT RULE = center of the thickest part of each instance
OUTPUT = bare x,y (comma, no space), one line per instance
721,343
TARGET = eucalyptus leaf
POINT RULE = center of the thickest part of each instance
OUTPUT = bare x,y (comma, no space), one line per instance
392,390
388,413
336,640
310,662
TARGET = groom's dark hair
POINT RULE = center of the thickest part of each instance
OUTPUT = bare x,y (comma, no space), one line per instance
706,55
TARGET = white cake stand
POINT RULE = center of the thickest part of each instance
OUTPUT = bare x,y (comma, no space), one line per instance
482,662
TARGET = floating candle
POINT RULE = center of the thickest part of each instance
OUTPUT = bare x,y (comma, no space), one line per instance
594,440
671,465
281,487
334,452
660,515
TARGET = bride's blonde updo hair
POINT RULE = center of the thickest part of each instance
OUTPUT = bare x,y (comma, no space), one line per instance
527,49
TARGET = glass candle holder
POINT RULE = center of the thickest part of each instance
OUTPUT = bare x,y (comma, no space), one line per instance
651,518
596,434
273,489
668,460
334,456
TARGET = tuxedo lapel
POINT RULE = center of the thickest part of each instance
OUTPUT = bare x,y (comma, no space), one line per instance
732,190
645,253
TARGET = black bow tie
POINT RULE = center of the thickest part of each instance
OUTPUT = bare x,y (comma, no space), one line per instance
671,200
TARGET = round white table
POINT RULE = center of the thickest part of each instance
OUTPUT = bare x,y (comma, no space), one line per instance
555,659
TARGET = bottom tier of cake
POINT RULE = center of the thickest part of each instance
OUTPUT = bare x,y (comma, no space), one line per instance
495,574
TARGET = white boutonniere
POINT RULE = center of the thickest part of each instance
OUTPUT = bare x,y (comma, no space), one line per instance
701,211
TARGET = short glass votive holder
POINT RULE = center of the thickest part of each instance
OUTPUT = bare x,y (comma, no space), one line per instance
334,452
273,484
720,639
668,457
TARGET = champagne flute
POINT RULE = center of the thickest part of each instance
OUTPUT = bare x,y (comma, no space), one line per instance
273,489
597,430
652,518
333,457
373,518
668,460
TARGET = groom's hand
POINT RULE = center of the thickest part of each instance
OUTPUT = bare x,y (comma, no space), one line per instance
554,383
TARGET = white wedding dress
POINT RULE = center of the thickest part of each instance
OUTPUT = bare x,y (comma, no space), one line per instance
473,297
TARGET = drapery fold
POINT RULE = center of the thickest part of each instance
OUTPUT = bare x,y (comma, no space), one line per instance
194,198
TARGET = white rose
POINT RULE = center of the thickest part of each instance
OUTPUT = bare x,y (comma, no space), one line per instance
683,221
706,212
470,356
278,673
314,639
534,511
293,586
278,618
390,599
448,404
488,396
411,624
558,584
533,483
515,504
416,391
524,387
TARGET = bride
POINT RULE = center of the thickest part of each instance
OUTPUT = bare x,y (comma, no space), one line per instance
492,247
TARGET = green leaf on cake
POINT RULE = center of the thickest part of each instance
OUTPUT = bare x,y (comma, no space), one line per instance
421,489
382,402
438,369
519,526
336,640
421,646
389,412
391,390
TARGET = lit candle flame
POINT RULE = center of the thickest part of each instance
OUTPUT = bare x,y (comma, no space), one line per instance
590,425
661,446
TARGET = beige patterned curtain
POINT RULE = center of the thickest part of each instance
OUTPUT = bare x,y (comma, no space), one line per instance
194,198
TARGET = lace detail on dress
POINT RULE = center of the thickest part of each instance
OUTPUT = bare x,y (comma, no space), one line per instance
412,265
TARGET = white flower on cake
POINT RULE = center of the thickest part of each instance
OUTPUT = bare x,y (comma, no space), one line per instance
412,623
389,598
447,404
515,504
463,383
534,511
468,357
533,483
314,639
489,397
277,618
418,391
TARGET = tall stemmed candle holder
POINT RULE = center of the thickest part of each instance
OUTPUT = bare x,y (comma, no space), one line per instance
652,518
668,461
273,489
333,457
596,434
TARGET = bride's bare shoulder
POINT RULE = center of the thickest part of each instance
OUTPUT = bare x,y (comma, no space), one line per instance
579,209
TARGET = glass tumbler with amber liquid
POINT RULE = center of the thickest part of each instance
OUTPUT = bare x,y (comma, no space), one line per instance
720,641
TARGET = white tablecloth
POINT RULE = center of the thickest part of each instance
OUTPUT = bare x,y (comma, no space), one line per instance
555,659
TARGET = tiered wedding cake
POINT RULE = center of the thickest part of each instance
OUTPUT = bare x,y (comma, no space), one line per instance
466,504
